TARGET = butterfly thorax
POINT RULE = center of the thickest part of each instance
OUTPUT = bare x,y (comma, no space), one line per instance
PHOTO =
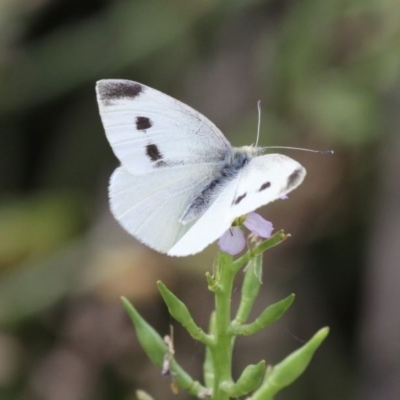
238,158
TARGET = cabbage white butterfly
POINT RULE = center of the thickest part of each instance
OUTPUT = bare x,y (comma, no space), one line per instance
181,184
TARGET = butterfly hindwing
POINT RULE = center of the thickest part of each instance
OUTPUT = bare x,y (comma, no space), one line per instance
149,206
149,130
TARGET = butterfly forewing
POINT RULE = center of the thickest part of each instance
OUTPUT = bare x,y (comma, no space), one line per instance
149,130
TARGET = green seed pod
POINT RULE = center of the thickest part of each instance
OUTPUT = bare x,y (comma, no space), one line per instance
249,380
288,370
142,395
250,288
180,312
149,339
156,349
294,365
271,314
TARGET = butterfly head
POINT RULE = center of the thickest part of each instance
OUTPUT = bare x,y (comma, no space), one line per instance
250,151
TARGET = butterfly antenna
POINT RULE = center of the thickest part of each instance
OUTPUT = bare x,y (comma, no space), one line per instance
283,147
259,121
299,148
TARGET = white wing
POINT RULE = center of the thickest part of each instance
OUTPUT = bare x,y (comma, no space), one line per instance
263,180
149,206
149,130
172,163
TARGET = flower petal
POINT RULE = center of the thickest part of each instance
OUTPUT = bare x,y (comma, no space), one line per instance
284,197
232,241
257,224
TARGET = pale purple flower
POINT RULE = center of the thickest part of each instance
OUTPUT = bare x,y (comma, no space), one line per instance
284,197
233,240
257,224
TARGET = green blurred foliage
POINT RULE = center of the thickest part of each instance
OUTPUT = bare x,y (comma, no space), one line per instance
326,71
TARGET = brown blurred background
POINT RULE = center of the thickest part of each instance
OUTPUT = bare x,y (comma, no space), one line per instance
328,75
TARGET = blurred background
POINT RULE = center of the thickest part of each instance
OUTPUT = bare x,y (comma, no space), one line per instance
328,75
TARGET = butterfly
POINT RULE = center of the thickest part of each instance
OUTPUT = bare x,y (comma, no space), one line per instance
181,184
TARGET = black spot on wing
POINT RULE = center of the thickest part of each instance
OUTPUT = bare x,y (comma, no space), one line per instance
143,123
264,186
153,153
239,199
293,178
110,91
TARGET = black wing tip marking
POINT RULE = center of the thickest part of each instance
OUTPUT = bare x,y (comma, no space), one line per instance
143,123
294,178
111,90
153,153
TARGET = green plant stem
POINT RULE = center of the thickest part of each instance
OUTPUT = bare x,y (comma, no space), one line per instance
274,240
208,367
222,348
250,289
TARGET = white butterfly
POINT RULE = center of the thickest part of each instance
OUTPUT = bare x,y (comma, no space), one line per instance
181,184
